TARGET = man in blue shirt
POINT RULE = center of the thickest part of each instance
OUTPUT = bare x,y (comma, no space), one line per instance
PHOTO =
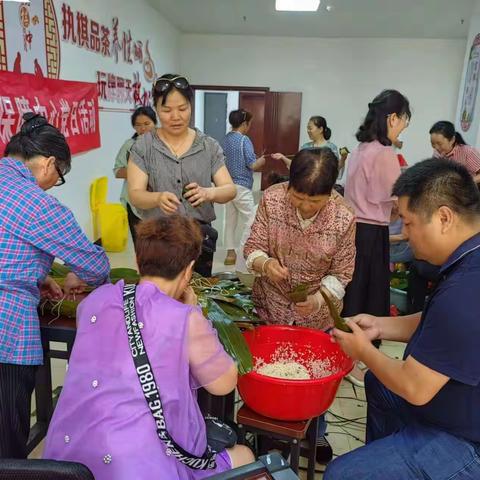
423,418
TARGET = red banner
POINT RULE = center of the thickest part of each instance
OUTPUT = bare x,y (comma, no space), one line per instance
72,107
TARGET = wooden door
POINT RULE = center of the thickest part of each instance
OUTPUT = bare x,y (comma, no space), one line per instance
283,112
254,102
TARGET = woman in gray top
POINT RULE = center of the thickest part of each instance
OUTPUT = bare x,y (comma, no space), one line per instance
173,167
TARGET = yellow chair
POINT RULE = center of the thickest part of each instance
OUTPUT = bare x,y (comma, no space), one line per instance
110,220
98,196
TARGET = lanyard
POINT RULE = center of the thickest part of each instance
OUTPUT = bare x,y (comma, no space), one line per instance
150,390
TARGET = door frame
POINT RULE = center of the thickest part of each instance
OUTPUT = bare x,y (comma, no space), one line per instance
226,88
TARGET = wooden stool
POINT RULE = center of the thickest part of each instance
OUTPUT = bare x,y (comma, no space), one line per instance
291,432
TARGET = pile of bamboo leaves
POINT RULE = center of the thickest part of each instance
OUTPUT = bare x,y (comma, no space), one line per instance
226,303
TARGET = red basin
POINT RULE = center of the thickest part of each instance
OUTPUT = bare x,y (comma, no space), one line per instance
284,399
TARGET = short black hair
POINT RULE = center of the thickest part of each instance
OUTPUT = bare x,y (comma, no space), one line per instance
237,117
38,137
187,93
438,182
447,130
314,171
147,111
374,127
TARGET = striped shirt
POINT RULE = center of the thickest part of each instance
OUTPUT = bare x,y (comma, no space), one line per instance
167,173
465,155
327,144
34,229
239,158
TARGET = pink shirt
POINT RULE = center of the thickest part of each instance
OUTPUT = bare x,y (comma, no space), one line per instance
373,169
466,155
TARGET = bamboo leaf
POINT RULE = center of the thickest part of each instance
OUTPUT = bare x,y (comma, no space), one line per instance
230,336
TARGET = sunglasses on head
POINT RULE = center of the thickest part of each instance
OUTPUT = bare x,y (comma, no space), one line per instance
163,84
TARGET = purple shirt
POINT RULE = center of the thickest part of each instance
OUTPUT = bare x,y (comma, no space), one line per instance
34,229
102,419
372,171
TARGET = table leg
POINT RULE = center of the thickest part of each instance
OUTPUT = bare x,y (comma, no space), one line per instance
295,455
312,435
43,403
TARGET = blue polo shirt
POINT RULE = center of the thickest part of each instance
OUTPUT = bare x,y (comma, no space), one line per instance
447,340
239,157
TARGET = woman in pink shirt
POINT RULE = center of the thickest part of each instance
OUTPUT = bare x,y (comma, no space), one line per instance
448,143
373,169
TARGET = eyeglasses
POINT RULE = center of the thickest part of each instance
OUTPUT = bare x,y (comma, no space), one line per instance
163,84
403,117
61,178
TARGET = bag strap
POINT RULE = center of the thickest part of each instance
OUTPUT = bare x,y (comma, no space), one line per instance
242,141
150,391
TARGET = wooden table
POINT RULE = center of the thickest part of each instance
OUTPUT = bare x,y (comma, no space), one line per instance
62,330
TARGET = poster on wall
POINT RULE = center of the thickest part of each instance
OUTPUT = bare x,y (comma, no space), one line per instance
31,34
29,38
72,107
110,40
470,89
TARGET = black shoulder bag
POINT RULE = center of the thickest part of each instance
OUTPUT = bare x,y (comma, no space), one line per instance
223,435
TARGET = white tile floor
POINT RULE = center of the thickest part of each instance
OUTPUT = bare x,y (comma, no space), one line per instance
346,417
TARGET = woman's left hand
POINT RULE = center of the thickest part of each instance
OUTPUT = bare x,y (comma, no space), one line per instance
189,297
197,195
51,289
73,285
311,305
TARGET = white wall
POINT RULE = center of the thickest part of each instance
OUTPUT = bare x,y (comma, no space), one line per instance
115,127
472,135
338,77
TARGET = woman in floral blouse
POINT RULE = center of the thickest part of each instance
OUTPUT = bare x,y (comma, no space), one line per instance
304,233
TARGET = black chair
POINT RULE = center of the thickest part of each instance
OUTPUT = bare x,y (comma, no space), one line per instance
13,469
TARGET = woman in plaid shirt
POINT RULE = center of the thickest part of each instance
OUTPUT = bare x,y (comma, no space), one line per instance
34,229
448,143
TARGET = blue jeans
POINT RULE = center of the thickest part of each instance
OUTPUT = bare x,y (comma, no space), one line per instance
400,448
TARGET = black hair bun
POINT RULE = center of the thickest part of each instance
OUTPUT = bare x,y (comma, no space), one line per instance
32,121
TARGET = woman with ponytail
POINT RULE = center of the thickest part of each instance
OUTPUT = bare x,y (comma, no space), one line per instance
319,134
448,143
372,172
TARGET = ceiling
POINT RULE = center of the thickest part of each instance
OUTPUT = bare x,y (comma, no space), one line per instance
348,18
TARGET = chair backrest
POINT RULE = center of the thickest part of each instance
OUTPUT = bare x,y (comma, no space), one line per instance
98,196
98,193
13,469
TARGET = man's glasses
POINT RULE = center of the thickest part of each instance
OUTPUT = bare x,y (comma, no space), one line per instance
61,178
163,84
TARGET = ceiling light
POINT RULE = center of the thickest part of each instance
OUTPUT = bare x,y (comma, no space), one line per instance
297,5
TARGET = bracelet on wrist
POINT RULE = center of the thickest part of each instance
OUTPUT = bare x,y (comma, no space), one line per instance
263,272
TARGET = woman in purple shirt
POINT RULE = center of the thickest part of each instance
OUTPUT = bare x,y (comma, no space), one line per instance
102,418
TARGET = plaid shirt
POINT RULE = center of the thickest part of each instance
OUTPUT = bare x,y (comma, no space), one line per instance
466,155
34,229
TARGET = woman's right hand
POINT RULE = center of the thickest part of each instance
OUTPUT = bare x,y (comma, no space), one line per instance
168,202
280,156
274,271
